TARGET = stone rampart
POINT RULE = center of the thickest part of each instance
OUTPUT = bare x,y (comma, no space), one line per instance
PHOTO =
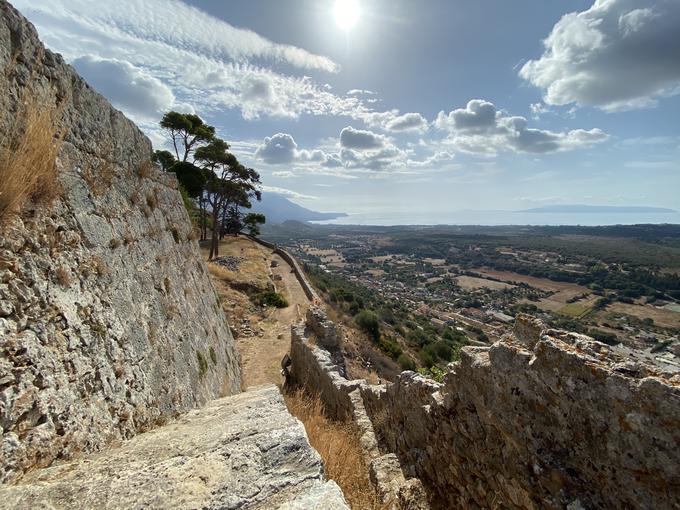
540,419
109,322
295,267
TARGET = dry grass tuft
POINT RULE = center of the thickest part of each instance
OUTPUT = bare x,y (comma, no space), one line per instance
220,272
338,444
151,201
145,169
28,157
100,179
63,276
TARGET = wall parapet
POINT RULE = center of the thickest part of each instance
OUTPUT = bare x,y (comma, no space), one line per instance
293,263
541,419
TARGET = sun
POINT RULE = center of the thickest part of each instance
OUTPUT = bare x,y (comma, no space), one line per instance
346,13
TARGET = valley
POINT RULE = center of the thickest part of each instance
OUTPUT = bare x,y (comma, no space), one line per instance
435,289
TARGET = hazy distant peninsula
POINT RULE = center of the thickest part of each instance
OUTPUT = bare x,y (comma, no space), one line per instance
597,209
277,208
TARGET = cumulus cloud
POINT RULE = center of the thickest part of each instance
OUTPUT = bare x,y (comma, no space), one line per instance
278,149
435,160
281,149
393,121
481,128
617,55
407,122
127,87
351,138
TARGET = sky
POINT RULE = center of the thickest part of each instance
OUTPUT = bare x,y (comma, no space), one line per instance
390,106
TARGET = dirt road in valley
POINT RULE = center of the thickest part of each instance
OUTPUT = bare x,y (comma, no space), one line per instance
261,354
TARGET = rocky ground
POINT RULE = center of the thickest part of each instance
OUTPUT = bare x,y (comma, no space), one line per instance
263,334
244,451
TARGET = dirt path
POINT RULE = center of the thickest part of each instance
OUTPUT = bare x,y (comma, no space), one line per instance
261,354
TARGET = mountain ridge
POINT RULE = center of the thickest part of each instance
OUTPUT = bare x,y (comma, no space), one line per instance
581,208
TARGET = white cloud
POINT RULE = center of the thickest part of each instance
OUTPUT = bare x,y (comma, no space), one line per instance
188,51
360,92
351,138
407,122
617,55
393,121
278,149
289,193
538,109
281,149
127,87
436,160
480,128
283,174
168,23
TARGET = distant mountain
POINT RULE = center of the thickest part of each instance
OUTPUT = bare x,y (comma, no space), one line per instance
277,208
590,209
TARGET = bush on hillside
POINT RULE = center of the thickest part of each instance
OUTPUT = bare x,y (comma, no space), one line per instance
369,323
270,298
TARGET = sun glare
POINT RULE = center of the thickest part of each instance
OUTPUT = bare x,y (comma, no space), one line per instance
346,13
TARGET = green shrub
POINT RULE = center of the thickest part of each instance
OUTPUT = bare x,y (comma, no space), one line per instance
368,322
213,355
433,372
406,363
390,347
270,298
202,364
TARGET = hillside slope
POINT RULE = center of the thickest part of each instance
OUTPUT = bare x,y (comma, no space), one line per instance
279,209
109,323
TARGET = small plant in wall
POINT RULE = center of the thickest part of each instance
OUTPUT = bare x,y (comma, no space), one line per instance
202,364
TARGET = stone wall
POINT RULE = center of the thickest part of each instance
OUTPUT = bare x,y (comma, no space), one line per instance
314,368
295,267
109,322
541,419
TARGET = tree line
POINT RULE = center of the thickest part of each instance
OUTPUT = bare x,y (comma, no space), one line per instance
211,177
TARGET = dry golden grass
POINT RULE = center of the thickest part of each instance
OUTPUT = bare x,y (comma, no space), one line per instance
63,276
338,445
145,169
221,272
28,157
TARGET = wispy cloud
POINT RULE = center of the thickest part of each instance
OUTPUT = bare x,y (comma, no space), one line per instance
188,51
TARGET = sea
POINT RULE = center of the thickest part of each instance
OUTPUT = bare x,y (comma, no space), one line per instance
499,217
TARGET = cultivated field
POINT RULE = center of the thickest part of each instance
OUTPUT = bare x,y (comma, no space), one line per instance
327,256
660,316
562,292
472,283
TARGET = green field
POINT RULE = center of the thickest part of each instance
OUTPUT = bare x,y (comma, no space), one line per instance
575,310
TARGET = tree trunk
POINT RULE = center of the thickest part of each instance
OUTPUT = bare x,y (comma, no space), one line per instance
203,222
215,241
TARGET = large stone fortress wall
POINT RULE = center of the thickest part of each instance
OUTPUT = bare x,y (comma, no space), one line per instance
541,419
109,322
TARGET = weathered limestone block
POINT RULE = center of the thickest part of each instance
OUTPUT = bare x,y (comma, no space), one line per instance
528,329
325,332
244,451
566,423
109,323
315,368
